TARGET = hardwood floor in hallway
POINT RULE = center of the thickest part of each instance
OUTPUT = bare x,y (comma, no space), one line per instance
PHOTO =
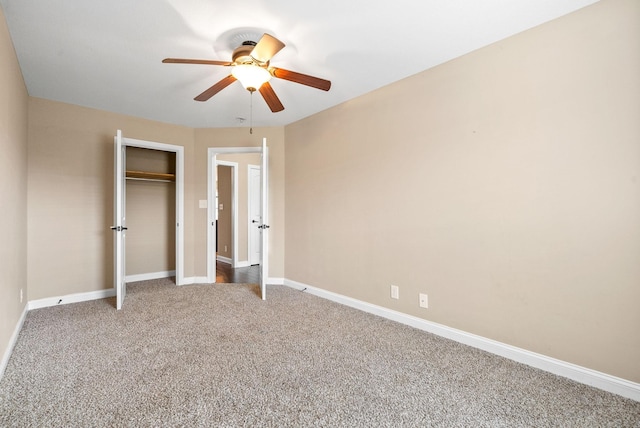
245,275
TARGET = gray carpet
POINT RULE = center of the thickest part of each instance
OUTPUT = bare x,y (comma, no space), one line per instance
217,355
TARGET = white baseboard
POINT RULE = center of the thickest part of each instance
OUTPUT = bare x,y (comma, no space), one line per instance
275,281
12,341
71,298
148,276
195,280
158,275
580,374
223,259
227,260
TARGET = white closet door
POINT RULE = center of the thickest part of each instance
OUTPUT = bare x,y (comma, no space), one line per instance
120,225
264,206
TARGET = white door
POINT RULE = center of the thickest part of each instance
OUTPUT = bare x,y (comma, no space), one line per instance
255,214
264,197
120,226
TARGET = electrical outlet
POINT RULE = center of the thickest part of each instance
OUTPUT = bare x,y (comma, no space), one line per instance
225,248
424,300
395,292
21,295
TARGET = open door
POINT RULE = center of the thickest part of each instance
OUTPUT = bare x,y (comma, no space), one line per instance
255,214
264,199
119,228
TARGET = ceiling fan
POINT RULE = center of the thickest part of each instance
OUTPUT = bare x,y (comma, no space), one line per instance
250,63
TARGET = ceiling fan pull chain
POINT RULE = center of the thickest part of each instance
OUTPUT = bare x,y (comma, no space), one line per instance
251,113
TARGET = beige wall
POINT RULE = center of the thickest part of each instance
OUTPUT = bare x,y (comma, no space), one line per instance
150,211
505,184
150,241
70,194
13,188
240,137
151,214
225,223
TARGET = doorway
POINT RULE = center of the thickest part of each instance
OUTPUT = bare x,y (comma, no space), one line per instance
238,159
150,212
237,210
120,225
226,212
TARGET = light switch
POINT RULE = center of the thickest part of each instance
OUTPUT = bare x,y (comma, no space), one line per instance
203,203
220,207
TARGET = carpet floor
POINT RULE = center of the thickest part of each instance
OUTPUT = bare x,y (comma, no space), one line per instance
217,355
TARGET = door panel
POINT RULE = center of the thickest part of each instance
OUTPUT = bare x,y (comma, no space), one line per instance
264,197
119,228
255,215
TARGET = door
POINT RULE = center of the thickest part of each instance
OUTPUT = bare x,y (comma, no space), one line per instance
255,214
264,198
119,228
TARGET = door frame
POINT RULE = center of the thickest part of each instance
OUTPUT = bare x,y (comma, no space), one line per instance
234,209
212,153
179,151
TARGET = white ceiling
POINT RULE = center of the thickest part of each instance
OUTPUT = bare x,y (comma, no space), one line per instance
107,54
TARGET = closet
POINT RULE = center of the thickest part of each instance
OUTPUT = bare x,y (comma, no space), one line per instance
150,209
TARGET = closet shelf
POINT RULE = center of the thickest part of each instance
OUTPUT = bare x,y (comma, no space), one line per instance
145,175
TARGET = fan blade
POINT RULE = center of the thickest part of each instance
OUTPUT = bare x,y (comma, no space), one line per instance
303,79
269,95
194,61
266,48
215,88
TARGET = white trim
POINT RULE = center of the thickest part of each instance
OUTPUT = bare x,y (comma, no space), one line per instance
12,341
577,373
71,298
224,259
227,260
275,281
196,280
212,177
148,276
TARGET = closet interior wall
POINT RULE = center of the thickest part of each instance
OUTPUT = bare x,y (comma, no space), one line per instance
150,212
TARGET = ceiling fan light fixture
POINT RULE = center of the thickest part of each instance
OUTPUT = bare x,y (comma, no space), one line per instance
251,76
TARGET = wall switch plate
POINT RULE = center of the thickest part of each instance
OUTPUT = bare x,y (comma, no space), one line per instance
21,295
202,203
424,300
395,292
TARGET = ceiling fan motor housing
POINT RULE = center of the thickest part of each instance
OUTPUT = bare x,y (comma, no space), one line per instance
242,54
